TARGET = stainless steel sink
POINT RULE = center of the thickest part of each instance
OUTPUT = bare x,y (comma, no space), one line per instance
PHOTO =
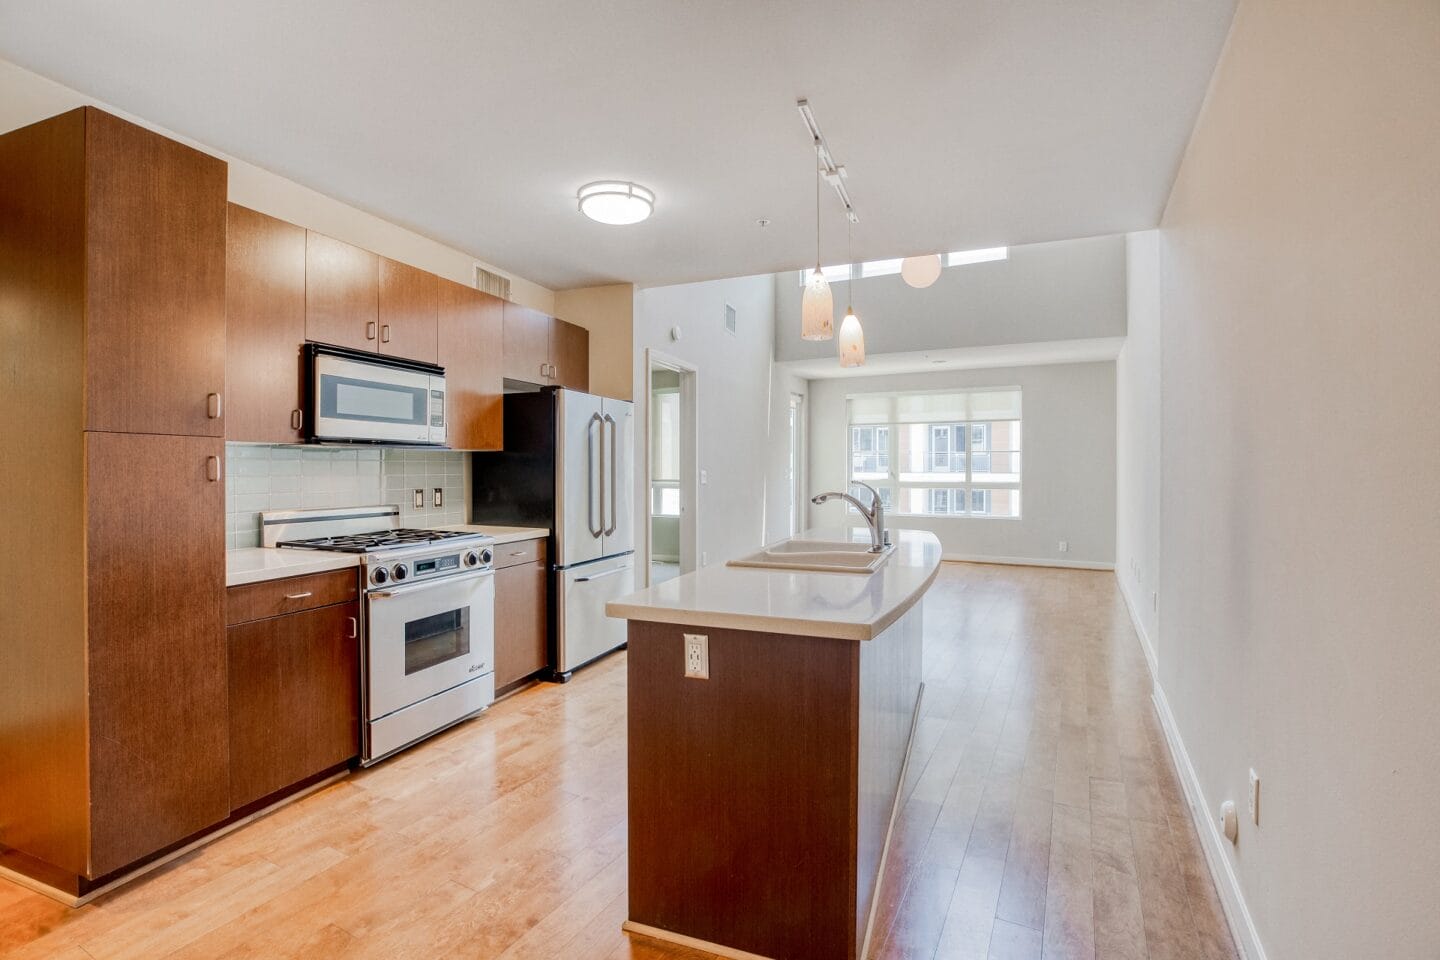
819,556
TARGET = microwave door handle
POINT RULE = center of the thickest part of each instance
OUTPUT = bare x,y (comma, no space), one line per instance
592,475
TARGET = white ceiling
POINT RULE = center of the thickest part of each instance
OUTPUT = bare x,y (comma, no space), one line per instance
963,123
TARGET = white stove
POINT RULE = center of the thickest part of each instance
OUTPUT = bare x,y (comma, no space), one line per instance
429,618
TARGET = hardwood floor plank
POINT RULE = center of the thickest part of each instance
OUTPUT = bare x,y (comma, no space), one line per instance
1040,790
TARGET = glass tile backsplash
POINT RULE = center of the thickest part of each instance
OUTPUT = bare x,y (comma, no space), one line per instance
260,478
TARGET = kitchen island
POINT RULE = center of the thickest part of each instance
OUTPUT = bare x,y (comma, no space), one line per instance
761,796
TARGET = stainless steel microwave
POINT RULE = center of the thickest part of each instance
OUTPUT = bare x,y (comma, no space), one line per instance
357,397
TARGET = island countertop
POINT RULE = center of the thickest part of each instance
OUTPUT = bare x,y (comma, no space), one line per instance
846,606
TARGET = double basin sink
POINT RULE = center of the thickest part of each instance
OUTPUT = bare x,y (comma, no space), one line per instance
817,556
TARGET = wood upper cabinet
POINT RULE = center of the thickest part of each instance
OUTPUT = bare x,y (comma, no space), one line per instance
521,618
544,350
569,355
527,344
265,328
341,293
294,693
470,350
158,733
154,248
407,310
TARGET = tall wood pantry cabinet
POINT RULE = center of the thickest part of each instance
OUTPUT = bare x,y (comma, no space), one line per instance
113,737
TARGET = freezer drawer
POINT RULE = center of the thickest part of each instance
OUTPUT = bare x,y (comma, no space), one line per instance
583,632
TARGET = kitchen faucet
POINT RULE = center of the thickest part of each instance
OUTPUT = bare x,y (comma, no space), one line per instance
873,514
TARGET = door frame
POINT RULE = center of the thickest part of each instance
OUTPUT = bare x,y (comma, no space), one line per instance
689,458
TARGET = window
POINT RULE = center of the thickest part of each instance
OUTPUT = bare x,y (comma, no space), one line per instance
884,268
665,453
942,455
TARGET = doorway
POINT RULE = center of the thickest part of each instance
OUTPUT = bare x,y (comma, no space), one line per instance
671,467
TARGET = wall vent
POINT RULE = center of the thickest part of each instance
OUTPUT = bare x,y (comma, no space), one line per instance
492,283
730,319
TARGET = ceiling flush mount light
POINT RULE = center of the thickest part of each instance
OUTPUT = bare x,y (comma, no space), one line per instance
920,272
616,202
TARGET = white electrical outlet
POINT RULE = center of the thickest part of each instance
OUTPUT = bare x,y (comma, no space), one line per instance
1254,797
1064,546
419,499
697,656
704,558
704,477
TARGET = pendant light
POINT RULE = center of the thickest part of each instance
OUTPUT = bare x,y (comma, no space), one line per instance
852,337
920,272
817,307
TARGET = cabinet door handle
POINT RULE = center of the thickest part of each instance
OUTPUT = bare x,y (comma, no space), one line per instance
299,596
297,419
212,468
370,330
543,366
385,333
552,371
354,628
212,406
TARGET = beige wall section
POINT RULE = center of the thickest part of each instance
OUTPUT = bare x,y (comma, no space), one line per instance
26,97
1299,581
608,312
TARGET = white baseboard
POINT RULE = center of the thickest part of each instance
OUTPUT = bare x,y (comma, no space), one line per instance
1232,899
1029,562
1140,631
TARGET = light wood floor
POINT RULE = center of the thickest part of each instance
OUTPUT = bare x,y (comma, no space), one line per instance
1041,818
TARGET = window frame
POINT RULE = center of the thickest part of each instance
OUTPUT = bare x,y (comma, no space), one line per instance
962,491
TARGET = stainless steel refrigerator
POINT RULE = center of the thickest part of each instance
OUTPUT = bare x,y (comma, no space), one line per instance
568,465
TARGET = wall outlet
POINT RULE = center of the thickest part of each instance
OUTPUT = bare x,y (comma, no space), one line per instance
1064,546
438,497
704,477
697,656
704,558
1254,797
419,498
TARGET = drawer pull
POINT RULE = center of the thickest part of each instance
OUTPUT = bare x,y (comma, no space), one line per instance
299,596
517,553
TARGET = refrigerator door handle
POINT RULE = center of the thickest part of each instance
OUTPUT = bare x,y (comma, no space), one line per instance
592,474
614,482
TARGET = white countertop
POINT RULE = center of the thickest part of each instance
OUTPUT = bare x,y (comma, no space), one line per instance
847,606
501,534
254,564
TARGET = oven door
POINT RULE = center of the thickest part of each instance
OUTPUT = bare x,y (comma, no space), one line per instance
359,400
426,638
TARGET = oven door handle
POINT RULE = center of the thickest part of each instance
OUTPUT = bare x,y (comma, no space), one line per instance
428,585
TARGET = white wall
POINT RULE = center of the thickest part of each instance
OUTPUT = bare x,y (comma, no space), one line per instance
26,97
1067,484
1138,439
1068,290
738,439
1299,579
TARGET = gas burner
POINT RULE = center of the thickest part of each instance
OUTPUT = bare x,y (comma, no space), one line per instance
373,541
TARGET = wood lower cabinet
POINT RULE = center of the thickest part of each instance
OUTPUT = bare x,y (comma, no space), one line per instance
569,355
521,617
470,350
341,293
264,328
155,545
294,688
407,311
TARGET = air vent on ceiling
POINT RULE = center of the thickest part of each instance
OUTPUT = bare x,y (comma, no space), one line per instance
730,320
492,283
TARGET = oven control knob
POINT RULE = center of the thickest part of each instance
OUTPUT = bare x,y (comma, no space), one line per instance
400,571
379,575
486,556
472,559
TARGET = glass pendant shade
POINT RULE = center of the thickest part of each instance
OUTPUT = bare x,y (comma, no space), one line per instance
920,272
817,309
852,341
